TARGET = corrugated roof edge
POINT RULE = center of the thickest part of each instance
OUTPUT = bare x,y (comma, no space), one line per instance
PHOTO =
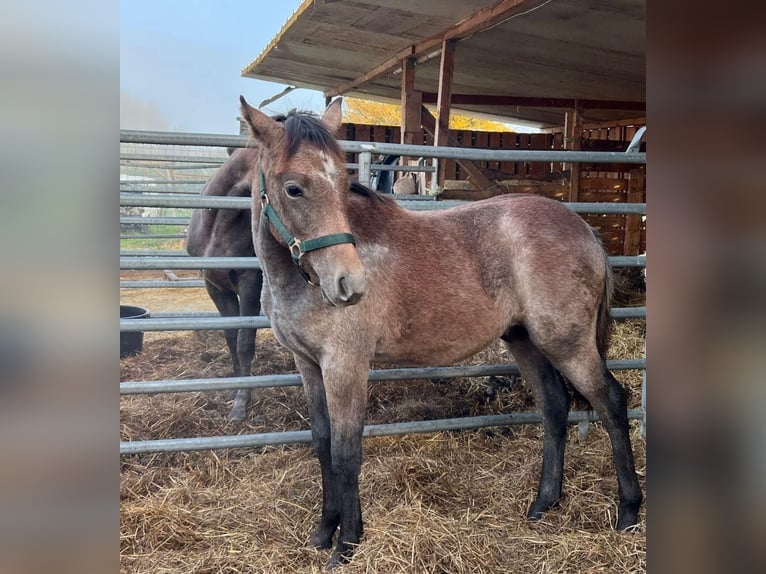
300,10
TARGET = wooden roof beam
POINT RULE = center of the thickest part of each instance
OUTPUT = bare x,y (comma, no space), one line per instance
533,102
477,22
641,121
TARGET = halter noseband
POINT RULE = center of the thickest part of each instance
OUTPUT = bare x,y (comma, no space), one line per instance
297,247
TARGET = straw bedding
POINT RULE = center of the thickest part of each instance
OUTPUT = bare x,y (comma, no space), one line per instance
451,502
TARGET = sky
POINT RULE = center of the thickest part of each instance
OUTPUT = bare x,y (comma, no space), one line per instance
180,63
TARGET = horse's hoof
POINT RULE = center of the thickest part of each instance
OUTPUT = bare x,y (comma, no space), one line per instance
321,539
539,508
238,413
317,541
626,518
341,555
338,559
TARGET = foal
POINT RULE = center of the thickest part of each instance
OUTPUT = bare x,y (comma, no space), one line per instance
350,278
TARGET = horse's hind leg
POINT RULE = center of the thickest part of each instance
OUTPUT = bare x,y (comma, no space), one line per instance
227,304
553,400
588,374
249,285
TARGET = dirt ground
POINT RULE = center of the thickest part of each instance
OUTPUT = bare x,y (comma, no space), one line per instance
447,502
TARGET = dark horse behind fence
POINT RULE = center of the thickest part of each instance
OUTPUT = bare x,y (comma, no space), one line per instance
227,233
350,277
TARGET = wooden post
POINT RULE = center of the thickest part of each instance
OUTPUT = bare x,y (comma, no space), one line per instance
446,71
572,134
412,102
636,185
444,97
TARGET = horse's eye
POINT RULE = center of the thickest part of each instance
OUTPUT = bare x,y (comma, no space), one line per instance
293,190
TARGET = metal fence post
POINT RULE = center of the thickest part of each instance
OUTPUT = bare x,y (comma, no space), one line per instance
365,159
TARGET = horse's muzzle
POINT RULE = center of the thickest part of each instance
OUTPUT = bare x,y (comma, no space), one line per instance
347,288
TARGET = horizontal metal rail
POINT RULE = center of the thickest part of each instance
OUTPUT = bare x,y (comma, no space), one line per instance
194,324
185,262
199,322
153,253
172,166
177,158
616,312
155,236
195,191
162,181
189,263
198,202
163,284
392,429
580,207
476,154
169,220
384,167
375,375
615,260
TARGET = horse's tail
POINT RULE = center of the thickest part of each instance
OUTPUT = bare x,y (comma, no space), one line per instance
605,322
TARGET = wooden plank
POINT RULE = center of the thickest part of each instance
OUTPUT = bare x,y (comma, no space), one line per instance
632,245
522,142
538,141
603,196
495,140
603,183
481,140
379,134
363,133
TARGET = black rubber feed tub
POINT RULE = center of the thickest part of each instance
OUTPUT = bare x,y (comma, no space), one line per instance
131,342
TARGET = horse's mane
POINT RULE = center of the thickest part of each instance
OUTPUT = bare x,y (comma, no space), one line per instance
375,196
308,127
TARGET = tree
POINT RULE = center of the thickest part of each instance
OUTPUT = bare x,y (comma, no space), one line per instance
359,111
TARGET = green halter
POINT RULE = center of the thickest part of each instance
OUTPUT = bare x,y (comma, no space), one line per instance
297,247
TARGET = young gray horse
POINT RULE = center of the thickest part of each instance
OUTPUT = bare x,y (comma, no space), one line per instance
235,292
350,278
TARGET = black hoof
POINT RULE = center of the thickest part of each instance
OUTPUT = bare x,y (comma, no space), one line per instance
238,413
539,508
321,539
627,518
342,555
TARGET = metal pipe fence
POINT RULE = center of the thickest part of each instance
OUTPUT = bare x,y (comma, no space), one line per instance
196,322
391,429
161,260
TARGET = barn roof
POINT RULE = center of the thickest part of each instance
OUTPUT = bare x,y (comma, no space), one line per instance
522,59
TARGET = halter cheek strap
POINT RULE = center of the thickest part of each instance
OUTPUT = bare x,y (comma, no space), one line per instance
297,247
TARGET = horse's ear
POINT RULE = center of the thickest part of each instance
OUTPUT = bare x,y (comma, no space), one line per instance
333,115
262,127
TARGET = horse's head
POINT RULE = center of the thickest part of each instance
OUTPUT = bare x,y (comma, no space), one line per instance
303,185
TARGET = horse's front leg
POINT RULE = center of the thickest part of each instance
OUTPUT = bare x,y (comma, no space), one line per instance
345,382
320,435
